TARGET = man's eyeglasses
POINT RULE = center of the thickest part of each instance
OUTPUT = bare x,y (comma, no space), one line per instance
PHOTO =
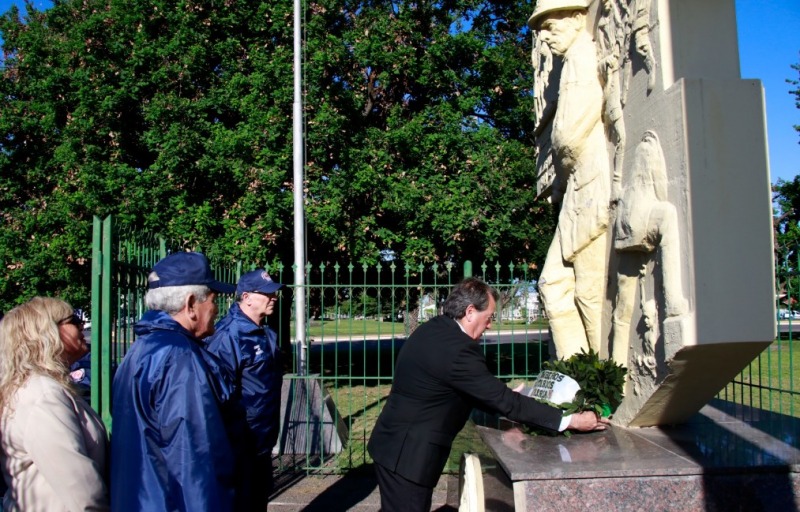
273,295
72,319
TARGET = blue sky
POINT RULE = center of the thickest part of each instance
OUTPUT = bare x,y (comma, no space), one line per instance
769,43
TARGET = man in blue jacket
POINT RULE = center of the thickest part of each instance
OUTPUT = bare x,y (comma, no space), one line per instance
169,448
247,348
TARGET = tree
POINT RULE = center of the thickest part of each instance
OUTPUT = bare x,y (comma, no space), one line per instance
420,131
173,115
786,197
176,117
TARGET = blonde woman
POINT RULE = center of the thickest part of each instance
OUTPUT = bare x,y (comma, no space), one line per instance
54,446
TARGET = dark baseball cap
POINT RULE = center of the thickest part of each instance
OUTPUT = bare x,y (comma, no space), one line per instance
257,281
183,269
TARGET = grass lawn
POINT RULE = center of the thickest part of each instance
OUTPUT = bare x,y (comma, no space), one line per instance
359,406
771,382
348,328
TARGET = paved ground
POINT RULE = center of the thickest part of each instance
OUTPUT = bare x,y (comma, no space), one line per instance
358,491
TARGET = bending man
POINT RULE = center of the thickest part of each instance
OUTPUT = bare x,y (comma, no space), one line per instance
440,376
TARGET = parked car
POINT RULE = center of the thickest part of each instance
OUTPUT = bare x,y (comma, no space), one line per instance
785,314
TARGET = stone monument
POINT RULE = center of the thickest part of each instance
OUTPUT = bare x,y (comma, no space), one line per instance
655,150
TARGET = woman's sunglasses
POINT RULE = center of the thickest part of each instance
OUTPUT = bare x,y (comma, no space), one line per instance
72,319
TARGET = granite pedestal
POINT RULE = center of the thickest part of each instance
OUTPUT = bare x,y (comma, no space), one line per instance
725,458
309,422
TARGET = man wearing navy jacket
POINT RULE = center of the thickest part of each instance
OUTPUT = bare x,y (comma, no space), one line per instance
440,376
248,350
169,447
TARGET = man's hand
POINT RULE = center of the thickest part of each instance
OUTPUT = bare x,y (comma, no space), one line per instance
587,421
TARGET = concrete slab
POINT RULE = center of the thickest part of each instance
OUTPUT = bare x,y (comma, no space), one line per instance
726,457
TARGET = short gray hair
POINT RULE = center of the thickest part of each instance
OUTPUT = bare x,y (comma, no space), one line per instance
470,291
170,299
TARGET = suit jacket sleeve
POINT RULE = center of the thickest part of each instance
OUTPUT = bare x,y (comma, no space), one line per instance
470,376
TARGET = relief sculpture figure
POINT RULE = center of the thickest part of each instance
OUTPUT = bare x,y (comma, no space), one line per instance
611,41
572,282
545,95
638,29
646,225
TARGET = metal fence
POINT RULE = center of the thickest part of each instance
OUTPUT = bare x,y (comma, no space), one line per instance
770,382
121,262
357,317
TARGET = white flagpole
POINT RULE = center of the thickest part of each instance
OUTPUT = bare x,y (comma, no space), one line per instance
298,184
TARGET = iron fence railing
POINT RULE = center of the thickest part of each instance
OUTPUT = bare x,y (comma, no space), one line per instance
770,382
357,317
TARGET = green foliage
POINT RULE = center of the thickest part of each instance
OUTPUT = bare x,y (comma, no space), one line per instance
601,381
786,198
427,149
154,111
176,117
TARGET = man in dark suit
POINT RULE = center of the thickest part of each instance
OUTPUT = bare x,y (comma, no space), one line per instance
439,377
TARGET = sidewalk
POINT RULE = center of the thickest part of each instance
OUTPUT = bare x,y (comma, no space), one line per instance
356,491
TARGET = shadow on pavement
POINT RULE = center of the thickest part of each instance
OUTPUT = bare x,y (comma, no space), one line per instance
349,491
356,490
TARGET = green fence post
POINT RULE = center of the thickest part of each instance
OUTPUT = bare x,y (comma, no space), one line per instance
467,269
97,262
105,318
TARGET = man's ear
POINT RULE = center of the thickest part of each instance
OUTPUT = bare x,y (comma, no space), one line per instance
190,304
470,309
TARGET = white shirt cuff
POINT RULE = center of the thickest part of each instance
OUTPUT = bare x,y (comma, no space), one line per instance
564,423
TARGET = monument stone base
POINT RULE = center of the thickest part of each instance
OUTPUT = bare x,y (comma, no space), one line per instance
310,423
726,457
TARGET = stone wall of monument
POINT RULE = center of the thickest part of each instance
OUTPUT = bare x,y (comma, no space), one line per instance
686,298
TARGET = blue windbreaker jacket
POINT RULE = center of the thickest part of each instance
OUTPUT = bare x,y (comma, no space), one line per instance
169,446
250,354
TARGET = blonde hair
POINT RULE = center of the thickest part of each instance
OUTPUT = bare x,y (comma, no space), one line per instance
30,344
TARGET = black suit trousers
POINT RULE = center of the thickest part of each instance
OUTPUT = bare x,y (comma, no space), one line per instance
401,495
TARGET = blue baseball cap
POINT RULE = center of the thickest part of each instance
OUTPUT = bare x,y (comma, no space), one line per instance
257,281
183,269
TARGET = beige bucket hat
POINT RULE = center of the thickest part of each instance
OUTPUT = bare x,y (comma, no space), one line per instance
545,6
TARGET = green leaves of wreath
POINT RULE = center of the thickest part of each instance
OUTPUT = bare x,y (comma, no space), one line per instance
601,382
